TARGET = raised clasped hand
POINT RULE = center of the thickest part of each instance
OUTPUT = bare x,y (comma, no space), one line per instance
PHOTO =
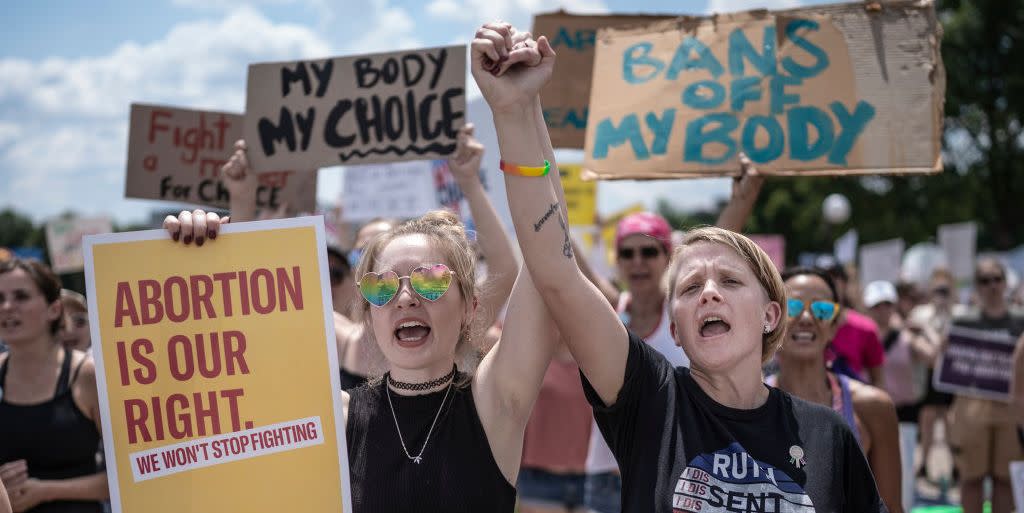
509,66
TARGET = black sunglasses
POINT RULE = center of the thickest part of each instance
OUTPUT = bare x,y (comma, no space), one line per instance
646,252
989,280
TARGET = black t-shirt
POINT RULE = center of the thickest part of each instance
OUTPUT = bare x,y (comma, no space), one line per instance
680,451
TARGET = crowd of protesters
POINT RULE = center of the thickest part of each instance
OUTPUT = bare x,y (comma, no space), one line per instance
550,386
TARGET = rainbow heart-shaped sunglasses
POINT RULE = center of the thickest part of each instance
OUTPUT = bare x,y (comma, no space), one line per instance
429,281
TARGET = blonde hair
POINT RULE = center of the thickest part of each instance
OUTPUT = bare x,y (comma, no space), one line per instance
448,235
760,263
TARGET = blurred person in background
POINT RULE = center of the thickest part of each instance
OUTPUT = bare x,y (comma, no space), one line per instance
75,331
49,412
857,348
983,433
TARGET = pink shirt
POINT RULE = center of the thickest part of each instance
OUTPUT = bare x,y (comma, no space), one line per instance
857,341
558,433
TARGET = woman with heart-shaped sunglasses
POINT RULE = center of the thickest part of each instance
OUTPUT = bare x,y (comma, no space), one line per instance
812,312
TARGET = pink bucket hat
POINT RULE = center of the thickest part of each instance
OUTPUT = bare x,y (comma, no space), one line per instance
645,223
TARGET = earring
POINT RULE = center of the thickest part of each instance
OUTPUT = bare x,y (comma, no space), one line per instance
767,328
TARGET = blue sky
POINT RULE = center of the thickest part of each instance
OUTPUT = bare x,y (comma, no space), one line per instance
69,70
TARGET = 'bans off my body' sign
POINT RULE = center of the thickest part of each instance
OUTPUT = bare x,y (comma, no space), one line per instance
821,90
356,110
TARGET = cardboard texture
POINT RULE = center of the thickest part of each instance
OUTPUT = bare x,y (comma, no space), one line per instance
64,238
176,155
823,90
365,109
566,96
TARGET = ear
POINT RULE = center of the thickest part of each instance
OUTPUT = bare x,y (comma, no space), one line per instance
672,329
773,315
55,310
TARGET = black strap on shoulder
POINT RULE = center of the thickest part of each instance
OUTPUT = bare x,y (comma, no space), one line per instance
63,381
74,375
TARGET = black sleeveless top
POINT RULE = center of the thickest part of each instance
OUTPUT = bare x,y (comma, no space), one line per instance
350,380
55,438
457,473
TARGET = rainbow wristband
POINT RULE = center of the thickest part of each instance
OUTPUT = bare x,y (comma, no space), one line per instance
513,169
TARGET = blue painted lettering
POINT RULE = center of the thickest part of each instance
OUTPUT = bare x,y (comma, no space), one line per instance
693,97
850,127
740,48
776,139
608,135
697,138
662,129
683,60
820,57
779,96
800,146
742,90
631,60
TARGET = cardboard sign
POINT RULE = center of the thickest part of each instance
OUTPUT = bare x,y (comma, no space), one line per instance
176,155
774,245
977,363
580,195
217,370
881,261
64,239
565,97
398,190
960,241
365,109
834,90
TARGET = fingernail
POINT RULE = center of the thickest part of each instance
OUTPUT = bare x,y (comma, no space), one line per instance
211,234
176,236
200,241
188,239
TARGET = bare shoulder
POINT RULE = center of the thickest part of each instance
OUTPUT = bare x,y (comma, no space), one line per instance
871,402
86,368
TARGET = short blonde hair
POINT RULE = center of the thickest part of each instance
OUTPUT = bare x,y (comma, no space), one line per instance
446,233
760,263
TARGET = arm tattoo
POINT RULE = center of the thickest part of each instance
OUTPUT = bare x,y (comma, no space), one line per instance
567,244
544,218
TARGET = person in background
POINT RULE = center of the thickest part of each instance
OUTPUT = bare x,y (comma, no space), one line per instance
908,296
49,412
983,433
75,331
812,311
1017,388
552,478
933,319
857,347
908,351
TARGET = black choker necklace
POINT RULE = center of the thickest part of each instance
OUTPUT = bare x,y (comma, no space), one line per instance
422,386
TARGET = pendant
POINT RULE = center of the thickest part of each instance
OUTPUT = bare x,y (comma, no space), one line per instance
417,460
796,456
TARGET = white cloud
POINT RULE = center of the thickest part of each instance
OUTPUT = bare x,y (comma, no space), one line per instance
63,122
391,28
517,12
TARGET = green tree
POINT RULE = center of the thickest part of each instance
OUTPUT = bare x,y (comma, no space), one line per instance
17,230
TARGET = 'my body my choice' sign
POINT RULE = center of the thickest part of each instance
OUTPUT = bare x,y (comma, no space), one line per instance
828,90
364,109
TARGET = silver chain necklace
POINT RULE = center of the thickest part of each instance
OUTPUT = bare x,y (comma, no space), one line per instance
419,457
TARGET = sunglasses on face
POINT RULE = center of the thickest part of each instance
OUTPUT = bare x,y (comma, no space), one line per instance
821,310
646,253
989,280
430,282
941,291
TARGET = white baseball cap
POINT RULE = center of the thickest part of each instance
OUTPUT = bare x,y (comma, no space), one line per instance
879,292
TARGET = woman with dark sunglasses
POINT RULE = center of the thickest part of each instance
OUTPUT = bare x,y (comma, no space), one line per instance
711,438
812,311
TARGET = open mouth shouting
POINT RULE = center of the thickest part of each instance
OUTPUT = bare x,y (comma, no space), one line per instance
713,326
9,323
803,336
412,332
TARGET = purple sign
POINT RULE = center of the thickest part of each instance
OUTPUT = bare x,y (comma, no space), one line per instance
976,363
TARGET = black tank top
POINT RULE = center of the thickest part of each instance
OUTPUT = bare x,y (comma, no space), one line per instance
55,438
457,473
350,380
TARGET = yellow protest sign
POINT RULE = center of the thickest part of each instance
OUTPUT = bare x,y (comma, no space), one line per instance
217,370
580,196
